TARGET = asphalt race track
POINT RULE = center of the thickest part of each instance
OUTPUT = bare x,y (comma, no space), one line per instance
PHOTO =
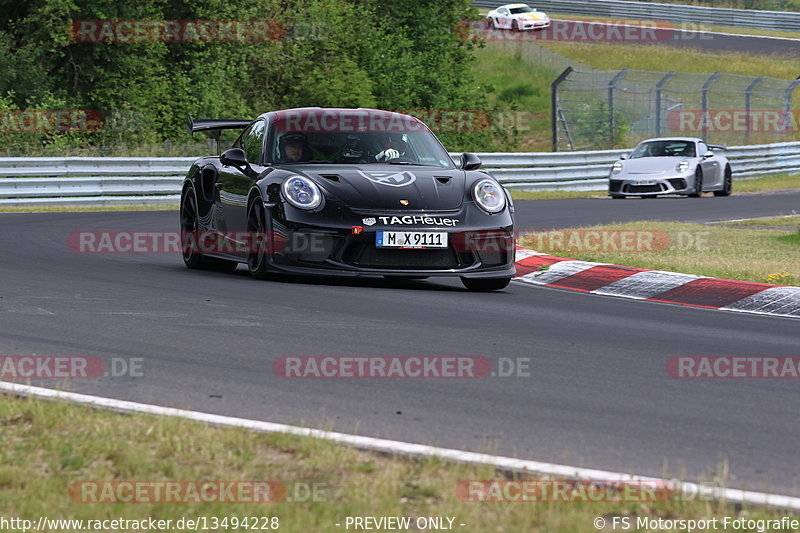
678,35
551,214
598,395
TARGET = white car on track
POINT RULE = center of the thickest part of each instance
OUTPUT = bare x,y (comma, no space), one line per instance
679,165
517,17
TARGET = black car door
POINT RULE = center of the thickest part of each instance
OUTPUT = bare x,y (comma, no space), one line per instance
234,184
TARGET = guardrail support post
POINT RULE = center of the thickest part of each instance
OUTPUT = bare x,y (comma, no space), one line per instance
659,88
704,108
554,105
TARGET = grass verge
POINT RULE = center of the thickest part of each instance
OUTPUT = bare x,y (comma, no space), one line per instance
747,254
612,56
524,89
48,447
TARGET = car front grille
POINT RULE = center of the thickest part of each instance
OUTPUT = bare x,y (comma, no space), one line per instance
636,189
366,255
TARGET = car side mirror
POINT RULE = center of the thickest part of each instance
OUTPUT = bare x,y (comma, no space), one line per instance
236,158
233,157
470,161
624,156
708,155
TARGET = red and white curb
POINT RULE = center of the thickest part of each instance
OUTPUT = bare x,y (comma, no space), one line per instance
658,286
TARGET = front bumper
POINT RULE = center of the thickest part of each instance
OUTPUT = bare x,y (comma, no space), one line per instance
534,24
340,242
679,184
327,251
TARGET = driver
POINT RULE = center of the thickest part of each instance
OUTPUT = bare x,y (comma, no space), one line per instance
294,148
658,150
391,146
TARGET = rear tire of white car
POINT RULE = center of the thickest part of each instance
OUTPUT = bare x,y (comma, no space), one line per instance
698,184
514,25
727,183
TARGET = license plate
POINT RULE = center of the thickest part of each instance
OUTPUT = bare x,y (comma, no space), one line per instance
411,239
643,182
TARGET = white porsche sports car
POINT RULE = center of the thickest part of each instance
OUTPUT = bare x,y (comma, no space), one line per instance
518,17
680,165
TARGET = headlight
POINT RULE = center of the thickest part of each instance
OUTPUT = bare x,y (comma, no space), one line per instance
301,192
683,166
617,168
489,195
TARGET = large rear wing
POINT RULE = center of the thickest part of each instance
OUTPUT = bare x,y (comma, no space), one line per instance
717,147
211,124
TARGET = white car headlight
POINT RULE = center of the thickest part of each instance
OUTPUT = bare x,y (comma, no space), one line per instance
489,195
301,192
683,166
616,168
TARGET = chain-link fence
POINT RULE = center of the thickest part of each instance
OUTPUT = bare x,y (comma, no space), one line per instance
600,110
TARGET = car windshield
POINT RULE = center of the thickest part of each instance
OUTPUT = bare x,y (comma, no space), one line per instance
664,149
523,9
340,140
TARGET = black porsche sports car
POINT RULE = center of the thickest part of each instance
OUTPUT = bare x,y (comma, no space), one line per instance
345,192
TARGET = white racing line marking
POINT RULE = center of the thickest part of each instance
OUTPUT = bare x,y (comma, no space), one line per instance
411,449
678,29
754,218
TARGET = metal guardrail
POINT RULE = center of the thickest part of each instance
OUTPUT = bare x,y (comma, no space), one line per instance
156,181
92,180
622,9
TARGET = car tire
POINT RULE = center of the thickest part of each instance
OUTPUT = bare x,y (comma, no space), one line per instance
698,184
727,183
485,284
190,227
514,25
257,257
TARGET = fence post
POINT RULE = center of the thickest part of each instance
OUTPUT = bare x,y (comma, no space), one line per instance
704,111
787,106
747,94
659,88
611,120
554,105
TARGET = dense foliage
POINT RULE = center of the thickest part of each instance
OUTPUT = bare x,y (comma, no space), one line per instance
399,55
